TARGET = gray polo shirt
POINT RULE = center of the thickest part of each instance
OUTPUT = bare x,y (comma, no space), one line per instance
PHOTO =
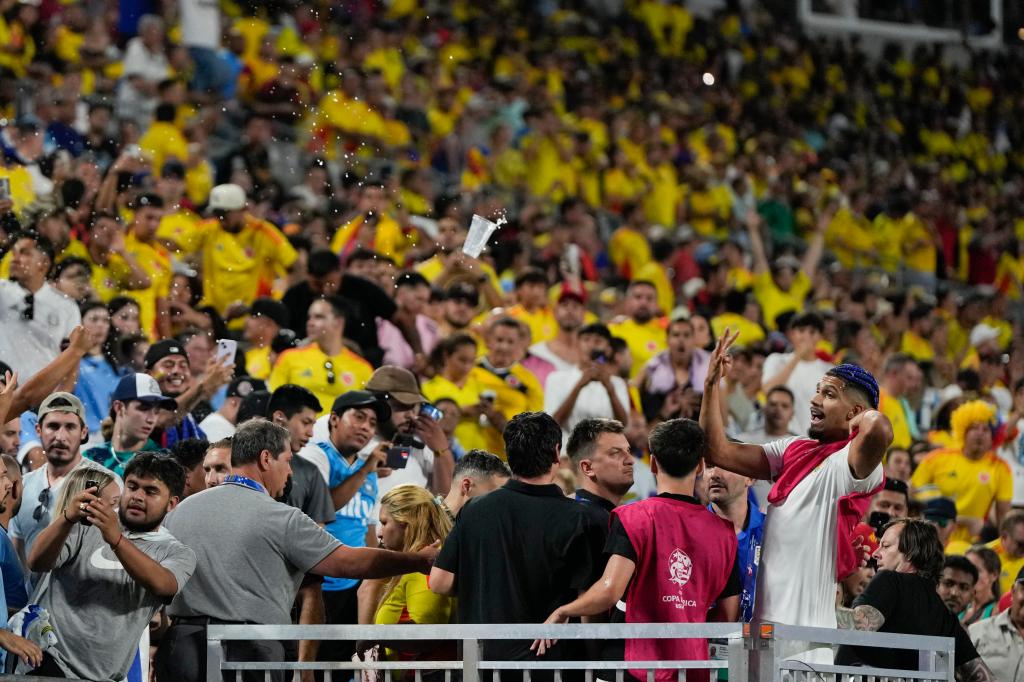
251,554
98,611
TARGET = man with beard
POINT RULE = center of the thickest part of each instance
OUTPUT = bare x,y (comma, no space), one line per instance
461,302
822,486
135,405
61,431
36,317
643,334
956,583
167,362
113,575
731,497
563,351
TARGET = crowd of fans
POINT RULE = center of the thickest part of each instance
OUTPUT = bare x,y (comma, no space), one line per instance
232,260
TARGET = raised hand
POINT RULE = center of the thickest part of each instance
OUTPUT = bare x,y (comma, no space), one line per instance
721,361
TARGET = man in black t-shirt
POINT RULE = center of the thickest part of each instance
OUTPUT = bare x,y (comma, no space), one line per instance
901,598
524,549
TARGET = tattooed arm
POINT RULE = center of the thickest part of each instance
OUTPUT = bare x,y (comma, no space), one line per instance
974,671
867,618
844,618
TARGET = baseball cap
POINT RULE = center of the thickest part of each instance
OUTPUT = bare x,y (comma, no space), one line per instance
569,293
229,197
61,402
173,169
983,333
242,386
940,508
143,388
398,383
351,399
270,309
285,339
162,349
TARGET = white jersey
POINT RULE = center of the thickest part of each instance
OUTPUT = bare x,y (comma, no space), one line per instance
796,580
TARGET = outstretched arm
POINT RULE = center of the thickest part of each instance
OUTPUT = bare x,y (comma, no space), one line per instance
753,223
741,458
817,246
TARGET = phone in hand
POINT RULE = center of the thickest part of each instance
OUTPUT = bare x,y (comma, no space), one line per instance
5,189
89,485
599,356
398,457
226,349
432,411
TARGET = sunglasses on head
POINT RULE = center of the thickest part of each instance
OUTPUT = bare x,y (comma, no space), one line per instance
44,502
329,366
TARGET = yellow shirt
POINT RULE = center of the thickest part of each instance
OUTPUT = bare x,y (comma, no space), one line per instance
917,347
156,261
849,237
518,392
238,267
112,279
892,409
629,251
176,226
541,322
433,268
973,484
469,432
918,245
749,332
412,600
543,164
774,301
307,367
1010,566
387,238
22,193
644,340
257,362
161,142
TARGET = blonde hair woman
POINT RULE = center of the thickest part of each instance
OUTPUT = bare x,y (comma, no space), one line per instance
411,519
75,483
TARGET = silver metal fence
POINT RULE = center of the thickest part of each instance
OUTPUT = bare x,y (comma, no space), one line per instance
758,653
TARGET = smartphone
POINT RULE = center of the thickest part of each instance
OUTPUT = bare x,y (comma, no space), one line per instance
398,457
432,411
599,356
5,189
226,349
133,150
877,520
88,486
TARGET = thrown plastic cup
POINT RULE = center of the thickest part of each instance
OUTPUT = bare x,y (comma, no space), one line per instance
480,230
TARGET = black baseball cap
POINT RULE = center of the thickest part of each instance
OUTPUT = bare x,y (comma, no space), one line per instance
347,401
460,291
162,349
940,508
270,309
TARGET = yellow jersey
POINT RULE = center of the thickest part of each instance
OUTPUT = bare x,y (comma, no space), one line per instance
238,267
257,362
774,301
386,238
541,322
749,332
644,340
156,261
469,431
893,409
112,279
1010,566
629,251
308,367
517,392
973,484
433,268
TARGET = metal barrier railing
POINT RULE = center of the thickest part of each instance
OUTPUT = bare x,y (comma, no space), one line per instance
758,653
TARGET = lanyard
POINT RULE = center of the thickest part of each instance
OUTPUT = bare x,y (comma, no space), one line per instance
236,479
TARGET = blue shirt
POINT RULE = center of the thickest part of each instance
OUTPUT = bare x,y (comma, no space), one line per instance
748,554
13,592
351,521
96,383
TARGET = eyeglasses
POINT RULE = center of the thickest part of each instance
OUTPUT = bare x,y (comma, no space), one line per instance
329,366
44,503
29,311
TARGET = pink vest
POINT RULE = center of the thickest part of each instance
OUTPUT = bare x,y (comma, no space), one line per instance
684,557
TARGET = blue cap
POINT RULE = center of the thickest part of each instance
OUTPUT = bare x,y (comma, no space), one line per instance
143,388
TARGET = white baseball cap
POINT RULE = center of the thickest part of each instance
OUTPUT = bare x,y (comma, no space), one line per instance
229,197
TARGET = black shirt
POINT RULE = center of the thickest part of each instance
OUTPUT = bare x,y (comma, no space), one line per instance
366,300
596,507
619,543
519,553
910,606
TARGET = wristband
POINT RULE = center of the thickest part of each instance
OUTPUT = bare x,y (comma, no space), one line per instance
115,545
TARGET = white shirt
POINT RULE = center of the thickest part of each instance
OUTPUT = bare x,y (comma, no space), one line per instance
542,351
803,382
1013,454
796,581
139,61
29,345
592,402
217,427
200,23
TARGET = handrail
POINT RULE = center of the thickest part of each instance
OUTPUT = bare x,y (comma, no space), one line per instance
889,640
